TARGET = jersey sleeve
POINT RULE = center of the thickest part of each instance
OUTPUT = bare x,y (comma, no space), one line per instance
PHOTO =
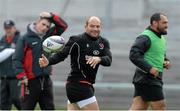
61,55
137,51
106,59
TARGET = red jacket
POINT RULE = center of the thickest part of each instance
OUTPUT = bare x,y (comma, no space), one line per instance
29,50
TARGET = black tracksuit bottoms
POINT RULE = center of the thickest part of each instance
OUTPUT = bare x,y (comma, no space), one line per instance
39,90
9,93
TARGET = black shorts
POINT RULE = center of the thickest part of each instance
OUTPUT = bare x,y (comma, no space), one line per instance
149,92
78,91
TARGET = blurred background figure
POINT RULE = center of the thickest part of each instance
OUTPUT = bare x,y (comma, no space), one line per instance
9,90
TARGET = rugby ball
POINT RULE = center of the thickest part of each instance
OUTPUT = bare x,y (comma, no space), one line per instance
53,44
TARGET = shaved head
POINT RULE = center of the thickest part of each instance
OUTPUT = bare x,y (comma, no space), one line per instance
93,18
93,26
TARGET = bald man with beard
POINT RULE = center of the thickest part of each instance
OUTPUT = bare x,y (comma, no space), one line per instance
87,51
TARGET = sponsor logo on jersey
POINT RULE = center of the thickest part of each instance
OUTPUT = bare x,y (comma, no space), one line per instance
96,52
34,43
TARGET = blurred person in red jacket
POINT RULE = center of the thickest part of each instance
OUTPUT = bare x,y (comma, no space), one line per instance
38,85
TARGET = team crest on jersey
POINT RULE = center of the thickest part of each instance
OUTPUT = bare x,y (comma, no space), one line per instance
96,52
34,43
101,45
